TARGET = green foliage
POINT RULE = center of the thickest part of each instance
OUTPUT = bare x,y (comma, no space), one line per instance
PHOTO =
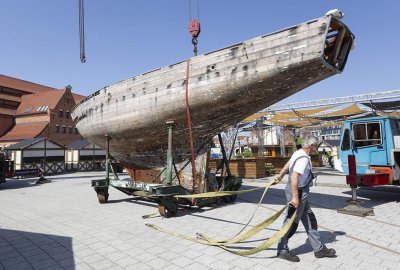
246,153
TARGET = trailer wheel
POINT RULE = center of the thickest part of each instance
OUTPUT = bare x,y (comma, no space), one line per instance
102,194
168,207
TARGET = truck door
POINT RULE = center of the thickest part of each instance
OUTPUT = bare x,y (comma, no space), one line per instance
369,145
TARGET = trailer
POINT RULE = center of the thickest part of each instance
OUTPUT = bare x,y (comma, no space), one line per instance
167,187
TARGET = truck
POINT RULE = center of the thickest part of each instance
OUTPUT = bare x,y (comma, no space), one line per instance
370,151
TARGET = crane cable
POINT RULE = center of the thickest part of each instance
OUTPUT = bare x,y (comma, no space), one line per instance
194,29
189,122
82,31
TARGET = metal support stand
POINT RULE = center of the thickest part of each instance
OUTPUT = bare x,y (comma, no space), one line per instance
354,207
168,179
107,157
228,182
101,186
224,159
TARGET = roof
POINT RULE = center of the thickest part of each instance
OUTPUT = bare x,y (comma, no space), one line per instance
22,85
41,102
25,131
24,143
333,142
79,144
77,98
31,141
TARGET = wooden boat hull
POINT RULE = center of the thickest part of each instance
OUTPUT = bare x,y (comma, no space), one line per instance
224,87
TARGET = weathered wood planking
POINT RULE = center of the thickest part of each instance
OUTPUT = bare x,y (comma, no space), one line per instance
225,86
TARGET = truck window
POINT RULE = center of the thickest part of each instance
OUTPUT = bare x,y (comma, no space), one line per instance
367,134
346,140
395,125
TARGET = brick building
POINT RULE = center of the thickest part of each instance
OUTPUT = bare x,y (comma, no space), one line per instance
11,91
29,110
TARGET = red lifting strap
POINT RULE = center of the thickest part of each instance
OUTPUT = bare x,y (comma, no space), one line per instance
194,28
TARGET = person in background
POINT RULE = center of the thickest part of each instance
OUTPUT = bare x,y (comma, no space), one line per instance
298,142
297,192
329,157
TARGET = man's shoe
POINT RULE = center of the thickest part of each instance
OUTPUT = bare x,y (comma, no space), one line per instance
288,257
325,252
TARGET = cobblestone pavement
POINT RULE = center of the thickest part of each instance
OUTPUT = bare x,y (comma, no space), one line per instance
61,225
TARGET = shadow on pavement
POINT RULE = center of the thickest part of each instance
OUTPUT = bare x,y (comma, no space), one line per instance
26,250
18,183
381,194
368,197
326,238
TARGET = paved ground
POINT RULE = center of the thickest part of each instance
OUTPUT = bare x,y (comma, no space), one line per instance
60,225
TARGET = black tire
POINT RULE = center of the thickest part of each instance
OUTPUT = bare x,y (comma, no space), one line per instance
102,195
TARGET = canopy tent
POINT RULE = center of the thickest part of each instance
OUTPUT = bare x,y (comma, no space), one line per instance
295,114
341,114
396,113
327,115
383,106
253,117
257,127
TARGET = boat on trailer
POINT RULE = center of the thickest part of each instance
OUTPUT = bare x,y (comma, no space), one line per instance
219,89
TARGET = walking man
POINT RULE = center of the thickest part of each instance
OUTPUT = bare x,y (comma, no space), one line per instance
297,191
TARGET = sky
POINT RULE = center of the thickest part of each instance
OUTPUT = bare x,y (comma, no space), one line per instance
124,38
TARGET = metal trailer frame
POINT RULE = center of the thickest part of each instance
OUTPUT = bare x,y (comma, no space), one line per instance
164,194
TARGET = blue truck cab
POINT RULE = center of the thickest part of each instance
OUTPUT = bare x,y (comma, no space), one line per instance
375,143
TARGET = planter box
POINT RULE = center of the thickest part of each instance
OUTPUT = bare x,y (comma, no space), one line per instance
244,167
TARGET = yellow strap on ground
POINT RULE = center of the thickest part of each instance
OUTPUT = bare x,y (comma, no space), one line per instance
193,239
203,239
238,238
215,194
156,214
248,222
268,243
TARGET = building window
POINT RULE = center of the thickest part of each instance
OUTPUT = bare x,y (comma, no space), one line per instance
60,113
63,129
57,129
70,129
67,114
42,108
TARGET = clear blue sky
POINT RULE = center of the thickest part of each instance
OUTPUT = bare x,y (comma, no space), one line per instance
40,40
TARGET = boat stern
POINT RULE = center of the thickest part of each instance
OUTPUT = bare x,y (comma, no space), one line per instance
339,41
